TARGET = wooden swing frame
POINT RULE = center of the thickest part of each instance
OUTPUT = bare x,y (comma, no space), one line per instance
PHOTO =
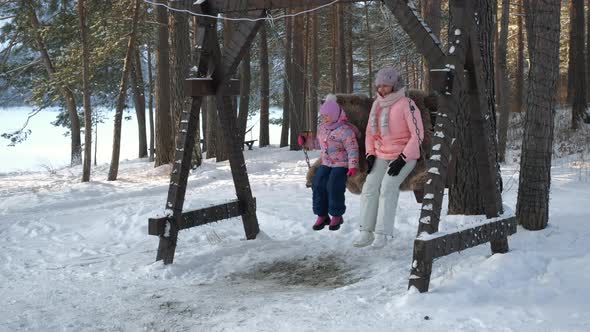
456,72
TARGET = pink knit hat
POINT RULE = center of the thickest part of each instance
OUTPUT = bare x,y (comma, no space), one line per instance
389,76
331,109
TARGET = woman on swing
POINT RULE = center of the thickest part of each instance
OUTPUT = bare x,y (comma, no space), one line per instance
393,137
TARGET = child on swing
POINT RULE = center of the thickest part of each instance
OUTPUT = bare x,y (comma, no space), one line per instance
337,139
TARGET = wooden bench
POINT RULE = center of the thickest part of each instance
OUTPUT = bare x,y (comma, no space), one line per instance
250,143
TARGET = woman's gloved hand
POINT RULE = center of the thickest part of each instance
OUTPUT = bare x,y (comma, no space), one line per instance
370,163
395,166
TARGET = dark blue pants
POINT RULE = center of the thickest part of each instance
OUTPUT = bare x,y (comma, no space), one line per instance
328,185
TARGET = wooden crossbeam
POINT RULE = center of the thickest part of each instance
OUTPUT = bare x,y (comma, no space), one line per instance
441,244
230,6
428,247
157,226
200,87
410,20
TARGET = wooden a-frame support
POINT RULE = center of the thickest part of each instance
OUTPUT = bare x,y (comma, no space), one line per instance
455,74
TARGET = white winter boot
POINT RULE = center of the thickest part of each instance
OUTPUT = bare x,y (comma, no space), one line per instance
364,239
380,241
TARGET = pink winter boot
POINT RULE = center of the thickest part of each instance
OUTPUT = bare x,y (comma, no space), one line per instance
321,222
335,223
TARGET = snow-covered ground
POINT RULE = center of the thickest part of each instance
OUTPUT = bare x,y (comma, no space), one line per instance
77,257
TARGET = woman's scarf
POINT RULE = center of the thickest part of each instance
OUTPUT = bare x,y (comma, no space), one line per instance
381,125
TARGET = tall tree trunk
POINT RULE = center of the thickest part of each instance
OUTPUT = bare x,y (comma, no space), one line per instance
368,36
588,55
245,78
532,207
287,91
579,69
349,51
296,117
264,138
114,169
519,75
197,156
151,101
571,56
164,125
333,63
340,50
178,27
138,88
86,88
503,80
66,91
464,194
315,73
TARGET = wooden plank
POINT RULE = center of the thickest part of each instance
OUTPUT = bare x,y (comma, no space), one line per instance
156,226
240,41
445,244
426,42
421,266
200,87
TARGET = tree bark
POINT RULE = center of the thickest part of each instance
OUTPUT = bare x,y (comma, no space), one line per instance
287,97
296,117
340,50
464,194
579,68
571,74
114,168
151,102
197,156
164,125
87,92
532,207
178,27
369,50
349,51
503,82
66,91
264,138
519,75
315,73
588,55
138,88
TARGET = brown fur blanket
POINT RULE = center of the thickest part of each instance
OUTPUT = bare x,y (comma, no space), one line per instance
357,108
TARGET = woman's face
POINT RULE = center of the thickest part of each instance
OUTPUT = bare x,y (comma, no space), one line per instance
384,90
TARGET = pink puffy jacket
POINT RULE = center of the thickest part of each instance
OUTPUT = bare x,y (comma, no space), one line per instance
396,132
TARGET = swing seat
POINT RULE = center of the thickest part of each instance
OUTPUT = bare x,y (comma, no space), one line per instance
357,108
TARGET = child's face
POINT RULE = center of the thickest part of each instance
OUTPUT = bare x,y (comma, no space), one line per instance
326,119
384,90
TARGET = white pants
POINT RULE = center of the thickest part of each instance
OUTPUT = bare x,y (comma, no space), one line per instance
380,195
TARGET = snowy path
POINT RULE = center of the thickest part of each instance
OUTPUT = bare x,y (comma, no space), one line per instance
77,257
